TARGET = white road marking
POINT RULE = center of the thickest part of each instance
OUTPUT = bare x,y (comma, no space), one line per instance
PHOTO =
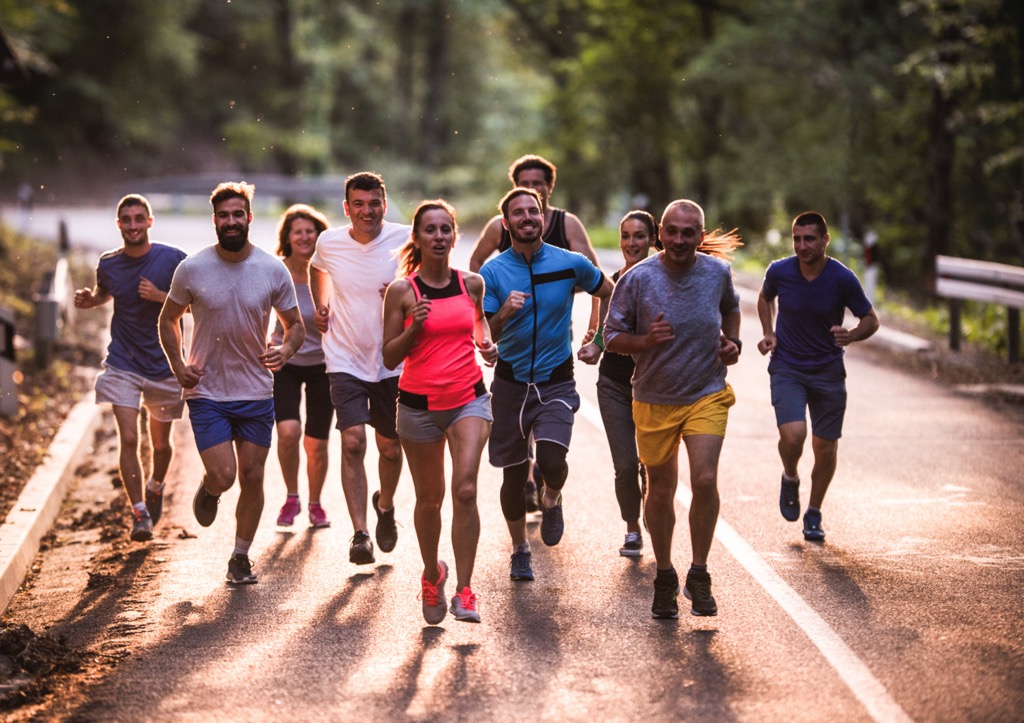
865,687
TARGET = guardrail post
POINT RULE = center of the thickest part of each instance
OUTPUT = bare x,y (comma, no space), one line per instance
954,324
8,365
1013,334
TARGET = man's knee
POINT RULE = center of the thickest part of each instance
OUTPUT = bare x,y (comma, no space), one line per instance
353,442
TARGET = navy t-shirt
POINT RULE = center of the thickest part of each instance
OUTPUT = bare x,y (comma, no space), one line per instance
134,339
808,309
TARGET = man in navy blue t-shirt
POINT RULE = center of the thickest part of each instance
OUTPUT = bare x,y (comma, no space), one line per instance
807,343
136,277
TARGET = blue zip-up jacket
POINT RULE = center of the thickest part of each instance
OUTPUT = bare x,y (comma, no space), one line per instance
537,340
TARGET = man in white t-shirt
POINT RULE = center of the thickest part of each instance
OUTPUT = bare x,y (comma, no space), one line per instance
231,287
348,274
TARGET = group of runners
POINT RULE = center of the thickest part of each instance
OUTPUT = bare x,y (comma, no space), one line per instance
370,324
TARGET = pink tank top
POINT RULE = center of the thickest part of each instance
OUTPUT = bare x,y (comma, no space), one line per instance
441,372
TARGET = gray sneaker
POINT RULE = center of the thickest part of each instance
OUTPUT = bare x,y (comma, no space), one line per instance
240,571
142,526
387,532
633,546
204,506
520,568
435,605
464,606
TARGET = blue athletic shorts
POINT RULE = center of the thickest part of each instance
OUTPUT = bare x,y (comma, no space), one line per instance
822,392
214,423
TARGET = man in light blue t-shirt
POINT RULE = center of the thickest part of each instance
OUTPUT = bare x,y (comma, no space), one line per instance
807,341
135,372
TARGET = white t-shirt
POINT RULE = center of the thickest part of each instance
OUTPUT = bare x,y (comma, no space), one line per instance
231,309
355,333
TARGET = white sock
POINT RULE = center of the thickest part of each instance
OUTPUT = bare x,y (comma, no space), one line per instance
525,547
242,547
140,507
153,486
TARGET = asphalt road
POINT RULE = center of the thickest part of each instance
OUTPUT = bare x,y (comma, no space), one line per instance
910,610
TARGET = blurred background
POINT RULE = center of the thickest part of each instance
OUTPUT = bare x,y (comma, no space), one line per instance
900,119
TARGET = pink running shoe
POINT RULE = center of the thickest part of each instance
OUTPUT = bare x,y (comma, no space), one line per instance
432,595
291,508
464,606
317,516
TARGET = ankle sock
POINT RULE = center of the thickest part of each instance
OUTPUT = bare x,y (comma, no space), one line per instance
525,547
694,567
242,547
154,486
139,507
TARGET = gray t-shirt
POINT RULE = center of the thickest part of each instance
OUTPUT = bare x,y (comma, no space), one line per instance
687,368
231,307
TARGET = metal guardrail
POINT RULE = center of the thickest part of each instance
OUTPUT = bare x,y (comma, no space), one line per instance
984,281
54,305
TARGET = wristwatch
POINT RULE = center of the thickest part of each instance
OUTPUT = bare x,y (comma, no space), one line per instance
737,342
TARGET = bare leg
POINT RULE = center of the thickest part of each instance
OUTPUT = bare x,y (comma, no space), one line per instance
252,460
467,438
221,468
353,474
389,468
426,464
163,446
288,433
791,446
316,465
127,420
826,456
703,451
659,509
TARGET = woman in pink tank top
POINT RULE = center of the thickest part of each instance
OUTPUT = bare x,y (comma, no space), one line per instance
434,323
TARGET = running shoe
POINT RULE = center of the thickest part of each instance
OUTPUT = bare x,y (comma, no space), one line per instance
521,568
789,500
240,571
532,499
360,550
204,506
464,606
155,504
289,510
633,546
812,526
698,591
387,532
142,526
552,524
317,516
666,590
432,595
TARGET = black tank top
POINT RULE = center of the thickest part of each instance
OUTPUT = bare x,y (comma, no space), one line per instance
554,233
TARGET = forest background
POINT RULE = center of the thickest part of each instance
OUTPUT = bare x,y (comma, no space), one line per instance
905,118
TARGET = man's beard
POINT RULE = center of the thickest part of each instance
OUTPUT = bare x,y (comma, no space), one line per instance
233,244
515,235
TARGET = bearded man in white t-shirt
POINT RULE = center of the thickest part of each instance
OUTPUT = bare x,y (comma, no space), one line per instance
349,271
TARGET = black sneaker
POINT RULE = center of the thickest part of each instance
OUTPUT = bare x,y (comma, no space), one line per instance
789,499
155,505
532,499
812,526
360,550
240,571
387,532
698,591
633,546
666,589
521,568
204,506
552,524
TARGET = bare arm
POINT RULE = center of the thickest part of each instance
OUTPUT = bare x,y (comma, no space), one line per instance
868,325
150,292
170,340
660,333
276,357
320,290
90,298
481,329
728,350
576,235
399,339
512,304
487,244
766,313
